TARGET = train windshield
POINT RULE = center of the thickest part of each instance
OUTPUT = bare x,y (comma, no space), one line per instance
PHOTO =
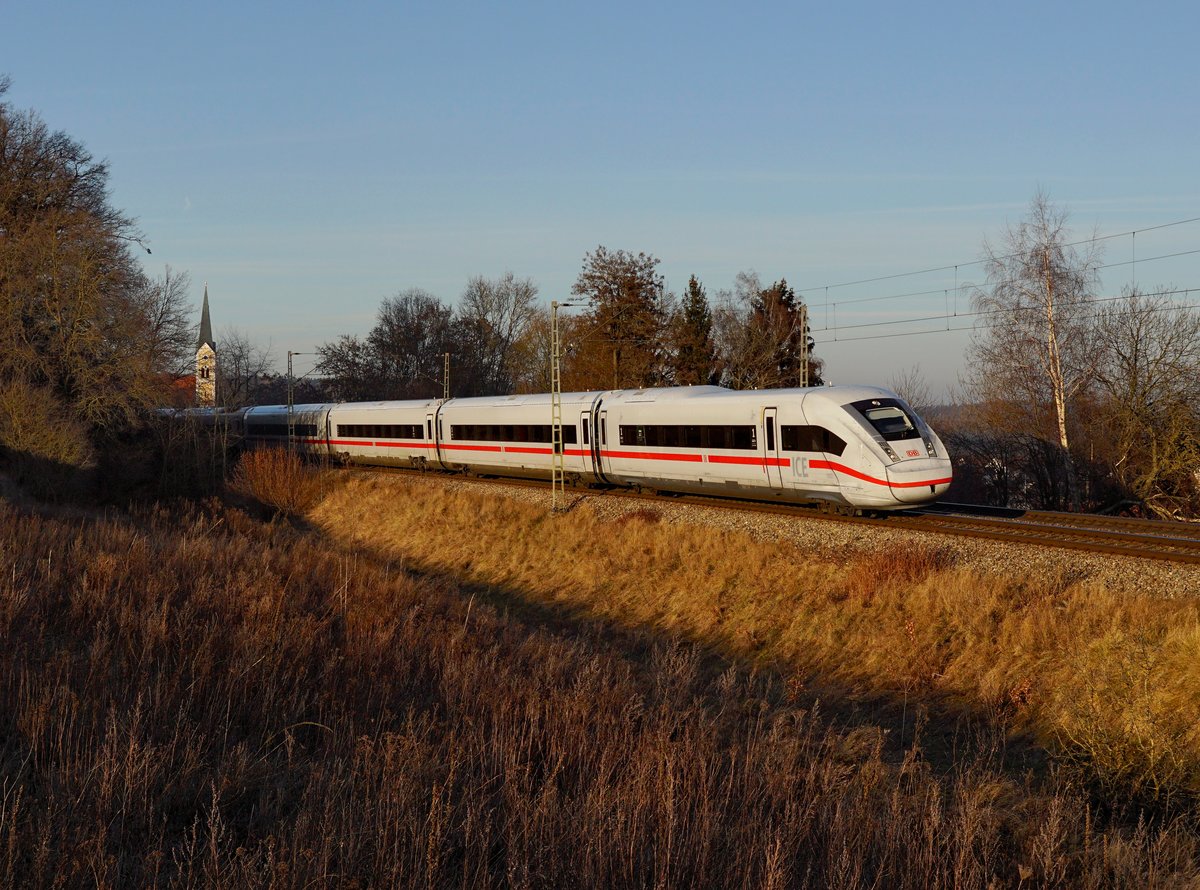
888,417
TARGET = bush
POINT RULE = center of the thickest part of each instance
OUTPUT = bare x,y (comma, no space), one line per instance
280,480
47,449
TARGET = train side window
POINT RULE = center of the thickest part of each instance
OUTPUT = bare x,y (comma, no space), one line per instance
771,434
832,443
810,438
583,427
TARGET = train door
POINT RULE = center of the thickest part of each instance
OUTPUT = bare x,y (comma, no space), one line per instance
587,447
603,461
772,460
434,452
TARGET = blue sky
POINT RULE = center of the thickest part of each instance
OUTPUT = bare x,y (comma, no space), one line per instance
308,160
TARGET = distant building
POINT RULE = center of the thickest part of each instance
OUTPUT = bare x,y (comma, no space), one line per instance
206,360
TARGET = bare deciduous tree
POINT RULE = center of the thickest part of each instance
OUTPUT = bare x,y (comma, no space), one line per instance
77,319
350,369
1032,351
1148,373
531,353
412,334
911,385
241,363
170,335
492,317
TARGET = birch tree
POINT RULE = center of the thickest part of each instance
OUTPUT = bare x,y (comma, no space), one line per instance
1032,351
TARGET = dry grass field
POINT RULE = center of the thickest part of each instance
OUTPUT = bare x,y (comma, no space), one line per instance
1108,681
397,685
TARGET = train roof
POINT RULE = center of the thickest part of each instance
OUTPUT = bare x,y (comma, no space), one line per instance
392,405
283,409
841,394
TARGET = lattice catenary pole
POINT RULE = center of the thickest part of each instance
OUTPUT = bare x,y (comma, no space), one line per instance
558,479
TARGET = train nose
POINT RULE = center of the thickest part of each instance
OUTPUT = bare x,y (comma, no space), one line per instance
919,481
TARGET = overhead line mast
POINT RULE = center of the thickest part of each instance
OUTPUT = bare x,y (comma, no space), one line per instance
558,481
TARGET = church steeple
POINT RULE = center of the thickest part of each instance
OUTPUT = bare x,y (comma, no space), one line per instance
205,324
206,360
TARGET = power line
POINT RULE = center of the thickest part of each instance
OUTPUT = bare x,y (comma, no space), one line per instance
1066,305
955,266
950,328
958,287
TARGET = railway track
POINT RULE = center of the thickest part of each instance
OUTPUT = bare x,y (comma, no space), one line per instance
1177,542
1147,539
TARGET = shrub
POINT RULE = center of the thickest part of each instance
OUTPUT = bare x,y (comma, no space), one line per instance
896,565
47,448
280,480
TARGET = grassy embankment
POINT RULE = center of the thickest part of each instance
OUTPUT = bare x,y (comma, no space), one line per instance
1110,681
202,697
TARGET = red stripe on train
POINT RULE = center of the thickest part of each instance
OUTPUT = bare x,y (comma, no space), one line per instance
763,462
842,468
643,455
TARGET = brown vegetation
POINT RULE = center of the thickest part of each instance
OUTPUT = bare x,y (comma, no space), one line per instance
279,480
200,698
1110,681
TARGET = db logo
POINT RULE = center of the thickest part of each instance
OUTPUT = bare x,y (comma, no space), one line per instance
912,452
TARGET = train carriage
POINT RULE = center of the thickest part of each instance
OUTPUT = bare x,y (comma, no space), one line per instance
308,426
390,433
512,435
853,447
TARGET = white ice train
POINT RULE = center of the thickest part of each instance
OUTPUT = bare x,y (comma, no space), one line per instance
849,448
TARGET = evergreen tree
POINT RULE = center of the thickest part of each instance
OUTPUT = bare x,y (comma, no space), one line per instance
695,356
777,312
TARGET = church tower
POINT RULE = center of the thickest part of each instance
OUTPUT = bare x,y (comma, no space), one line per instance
206,360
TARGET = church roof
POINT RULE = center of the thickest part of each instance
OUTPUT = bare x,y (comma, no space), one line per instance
206,325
